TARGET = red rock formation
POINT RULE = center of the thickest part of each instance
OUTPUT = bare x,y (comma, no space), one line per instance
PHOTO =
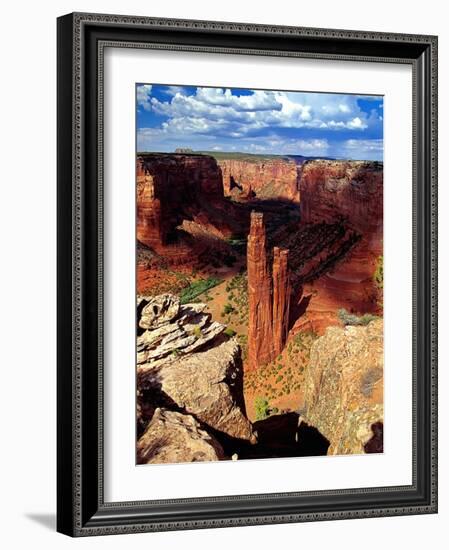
150,228
268,296
342,217
281,299
344,191
267,178
172,188
260,324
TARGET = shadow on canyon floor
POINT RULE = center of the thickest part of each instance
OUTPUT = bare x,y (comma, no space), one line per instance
279,436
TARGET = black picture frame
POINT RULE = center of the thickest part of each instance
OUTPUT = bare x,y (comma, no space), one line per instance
81,509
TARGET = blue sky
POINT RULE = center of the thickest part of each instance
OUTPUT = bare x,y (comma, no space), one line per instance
259,121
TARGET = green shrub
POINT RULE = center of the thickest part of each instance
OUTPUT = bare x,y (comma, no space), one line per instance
262,408
379,273
228,309
350,319
198,287
229,332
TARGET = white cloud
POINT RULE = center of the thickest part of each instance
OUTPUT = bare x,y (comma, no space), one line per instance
150,139
173,90
362,149
144,96
364,145
239,115
357,123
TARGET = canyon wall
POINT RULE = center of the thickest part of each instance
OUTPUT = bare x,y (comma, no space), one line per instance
264,178
350,192
344,197
173,188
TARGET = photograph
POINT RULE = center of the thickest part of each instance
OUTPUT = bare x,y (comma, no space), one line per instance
259,273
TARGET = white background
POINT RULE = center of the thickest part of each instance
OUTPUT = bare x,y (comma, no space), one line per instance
27,228
123,481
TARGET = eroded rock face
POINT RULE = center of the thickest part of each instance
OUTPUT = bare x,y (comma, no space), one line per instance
177,331
260,322
158,311
206,385
268,178
341,205
281,298
344,386
268,297
173,437
187,364
172,188
347,191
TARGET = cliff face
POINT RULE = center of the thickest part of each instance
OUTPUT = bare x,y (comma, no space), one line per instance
172,189
260,323
268,297
273,178
342,203
347,191
344,388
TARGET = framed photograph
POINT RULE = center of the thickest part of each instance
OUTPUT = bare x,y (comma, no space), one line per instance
247,279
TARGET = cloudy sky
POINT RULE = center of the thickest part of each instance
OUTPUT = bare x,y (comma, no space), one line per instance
258,121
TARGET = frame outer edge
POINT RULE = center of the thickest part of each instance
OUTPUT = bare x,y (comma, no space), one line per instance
66,268
69,520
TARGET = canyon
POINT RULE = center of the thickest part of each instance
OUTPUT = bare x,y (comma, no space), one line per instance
259,316
174,189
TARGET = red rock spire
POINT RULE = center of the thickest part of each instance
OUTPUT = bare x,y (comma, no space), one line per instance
260,325
281,298
268,296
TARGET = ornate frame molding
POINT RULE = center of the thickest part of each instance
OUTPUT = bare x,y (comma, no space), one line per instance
81,42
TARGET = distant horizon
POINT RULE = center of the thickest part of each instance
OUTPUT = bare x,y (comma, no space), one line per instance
259,122
225,152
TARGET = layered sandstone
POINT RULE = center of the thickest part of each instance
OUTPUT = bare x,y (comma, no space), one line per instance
173,188
264,177
350,192
173,437
281,298
260,323
342,227
344,387
268,296
187,364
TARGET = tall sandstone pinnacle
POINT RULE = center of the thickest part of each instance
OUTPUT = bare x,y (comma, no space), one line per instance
268,296
260,324
281,299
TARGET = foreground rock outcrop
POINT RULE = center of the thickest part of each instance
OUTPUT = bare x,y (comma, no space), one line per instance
174,437
344,387
187,364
